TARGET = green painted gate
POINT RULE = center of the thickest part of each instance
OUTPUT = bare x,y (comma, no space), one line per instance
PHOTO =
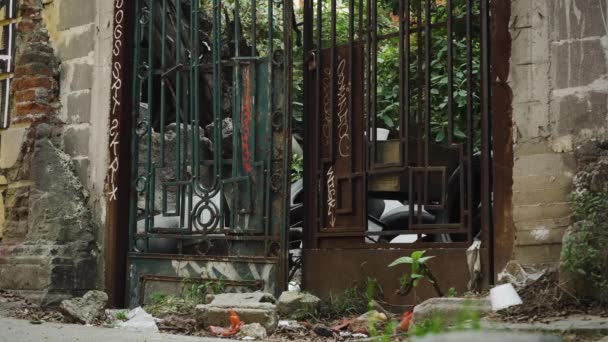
210,147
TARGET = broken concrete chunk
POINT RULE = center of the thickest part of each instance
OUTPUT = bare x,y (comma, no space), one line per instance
450,309
292,303
255,307
254,331
88,309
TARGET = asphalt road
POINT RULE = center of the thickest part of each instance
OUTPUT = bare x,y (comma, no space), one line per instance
13,330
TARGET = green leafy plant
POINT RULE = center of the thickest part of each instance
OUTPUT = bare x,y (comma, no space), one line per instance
161,303
452,292
419,270
121,315
196,291
583,251
353,301
297,167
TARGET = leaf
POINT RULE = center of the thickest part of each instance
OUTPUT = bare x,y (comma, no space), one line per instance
440,136
459,134
425,259
400,261
388,121
417,255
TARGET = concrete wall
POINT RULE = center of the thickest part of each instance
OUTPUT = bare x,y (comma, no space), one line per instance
559,78
81,33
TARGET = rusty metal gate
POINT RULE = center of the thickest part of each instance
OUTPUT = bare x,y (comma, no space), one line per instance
210,146
397,114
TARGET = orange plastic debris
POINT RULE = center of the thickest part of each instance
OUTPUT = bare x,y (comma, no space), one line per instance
235,326
405,320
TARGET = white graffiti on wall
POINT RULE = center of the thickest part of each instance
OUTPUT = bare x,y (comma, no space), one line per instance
119,17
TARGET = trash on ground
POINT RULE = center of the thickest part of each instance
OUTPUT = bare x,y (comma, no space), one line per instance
235,326
139,320
504,296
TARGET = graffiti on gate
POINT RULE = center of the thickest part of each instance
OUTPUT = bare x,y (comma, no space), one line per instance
342,96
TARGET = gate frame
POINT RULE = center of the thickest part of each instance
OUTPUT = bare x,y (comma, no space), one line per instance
116,234
487,86
118,179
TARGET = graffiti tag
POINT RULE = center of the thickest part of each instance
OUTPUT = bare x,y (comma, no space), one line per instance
344,137
331,197
119,17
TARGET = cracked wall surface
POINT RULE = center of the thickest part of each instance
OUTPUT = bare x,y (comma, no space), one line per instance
52,169
559,78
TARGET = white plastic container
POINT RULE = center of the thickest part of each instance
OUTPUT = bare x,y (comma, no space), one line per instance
504,296
382,134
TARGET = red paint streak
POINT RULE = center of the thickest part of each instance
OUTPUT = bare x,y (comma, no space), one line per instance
246,122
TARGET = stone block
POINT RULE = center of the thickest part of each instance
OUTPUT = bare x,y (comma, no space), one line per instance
450,309
24,277
76,141
256,307
76,45
543,165
79,107
576,112
541,235
578,63
524,79
537,255
11,142
539,182
574,19
292,303
542,195
530,46
73,13
82,77
523,213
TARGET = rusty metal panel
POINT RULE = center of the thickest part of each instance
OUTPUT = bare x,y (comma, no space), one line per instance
331,271
339,163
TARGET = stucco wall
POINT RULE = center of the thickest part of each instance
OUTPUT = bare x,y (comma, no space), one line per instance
559,79
81,32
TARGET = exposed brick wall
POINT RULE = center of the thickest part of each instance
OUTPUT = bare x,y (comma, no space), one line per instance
48,249
35,91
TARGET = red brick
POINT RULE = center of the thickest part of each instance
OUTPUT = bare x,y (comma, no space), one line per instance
34,69
28,95
24,83
32,108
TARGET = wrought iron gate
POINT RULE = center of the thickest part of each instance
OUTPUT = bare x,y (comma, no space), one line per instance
210,145
417,71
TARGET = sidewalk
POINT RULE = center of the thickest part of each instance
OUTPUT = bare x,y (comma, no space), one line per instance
13,330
